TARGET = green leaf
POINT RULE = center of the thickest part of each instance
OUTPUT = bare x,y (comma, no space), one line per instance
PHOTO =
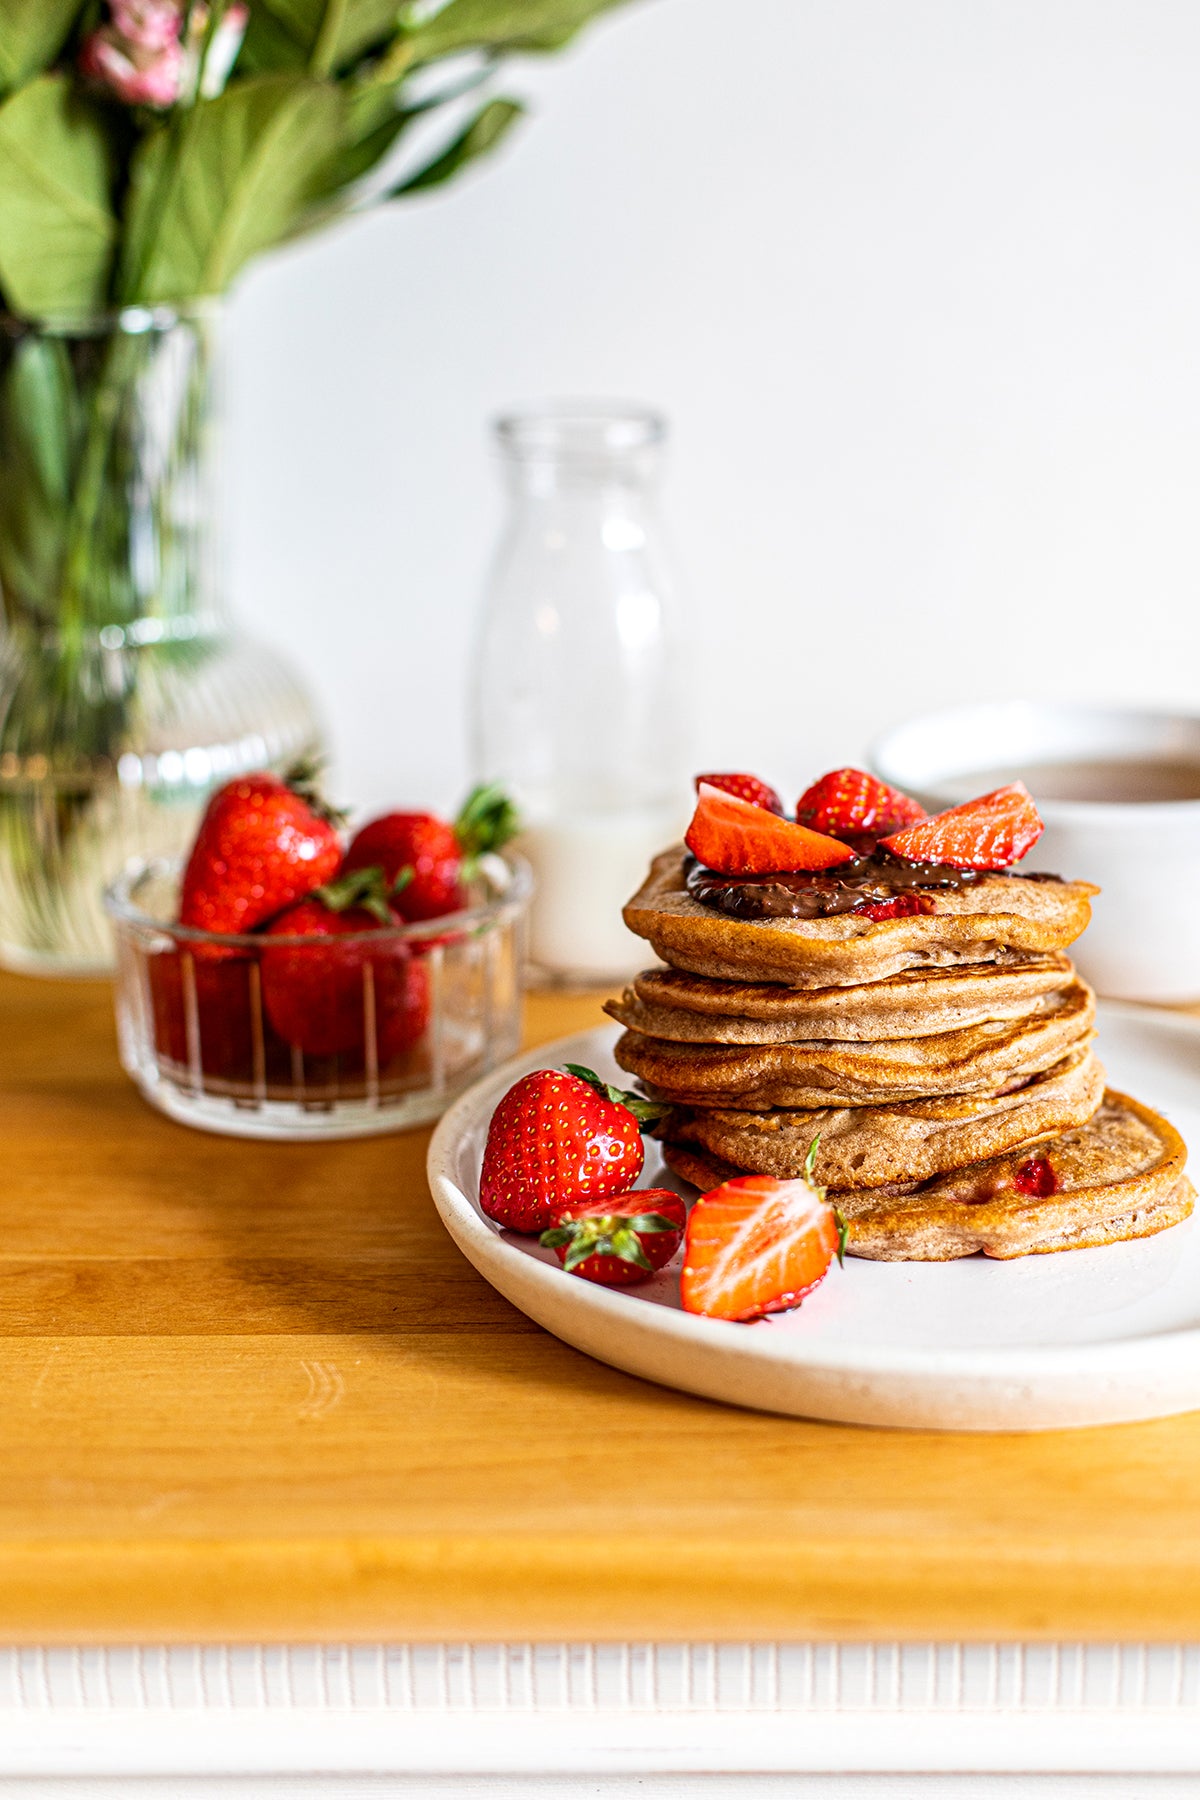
32,33
318,35
41,406
57,230
502,24
483,134
225,181
39,426
374,122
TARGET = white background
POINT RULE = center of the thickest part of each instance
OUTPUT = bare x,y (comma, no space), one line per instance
919,286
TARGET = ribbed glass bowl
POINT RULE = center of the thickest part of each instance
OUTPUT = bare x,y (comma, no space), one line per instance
394,1023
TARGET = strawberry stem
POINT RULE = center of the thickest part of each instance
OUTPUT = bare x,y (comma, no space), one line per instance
487,821
358,887
606,1234
646,1112
304,778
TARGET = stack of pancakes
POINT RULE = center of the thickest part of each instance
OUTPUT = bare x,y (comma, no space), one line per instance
943,1061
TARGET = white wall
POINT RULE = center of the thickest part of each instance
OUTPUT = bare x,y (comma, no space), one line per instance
918,283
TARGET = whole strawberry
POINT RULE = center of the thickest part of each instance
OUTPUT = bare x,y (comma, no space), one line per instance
750,788
202,1010
263,843
620,1241
426,859
850,803
559,1140
329,999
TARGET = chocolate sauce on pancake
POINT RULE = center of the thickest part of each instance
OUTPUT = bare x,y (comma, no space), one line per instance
872,876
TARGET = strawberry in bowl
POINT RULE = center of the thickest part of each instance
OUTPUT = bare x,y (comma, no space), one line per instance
273,984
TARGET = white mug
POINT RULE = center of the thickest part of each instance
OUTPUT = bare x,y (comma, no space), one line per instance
1144,939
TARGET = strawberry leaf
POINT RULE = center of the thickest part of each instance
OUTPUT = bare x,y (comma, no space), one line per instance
646,1112
488,821
366,888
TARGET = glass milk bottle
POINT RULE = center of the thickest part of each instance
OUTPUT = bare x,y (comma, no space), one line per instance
579,689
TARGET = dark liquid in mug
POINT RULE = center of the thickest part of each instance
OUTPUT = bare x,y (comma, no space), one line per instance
1115,780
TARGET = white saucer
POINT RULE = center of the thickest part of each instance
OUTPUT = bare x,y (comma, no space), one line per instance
1084,1337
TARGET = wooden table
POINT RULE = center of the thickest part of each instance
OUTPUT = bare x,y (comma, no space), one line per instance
252,1392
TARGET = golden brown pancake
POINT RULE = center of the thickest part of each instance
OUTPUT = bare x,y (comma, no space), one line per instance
1120,1176
668,1003
993,920
874,1146
991,1058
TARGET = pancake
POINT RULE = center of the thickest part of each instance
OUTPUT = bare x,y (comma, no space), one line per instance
992,1058
667,1003
1120,1176
993,920
877,1146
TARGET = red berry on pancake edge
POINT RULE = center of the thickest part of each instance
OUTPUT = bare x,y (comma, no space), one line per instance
989,833
1036,1178
736,838
900,906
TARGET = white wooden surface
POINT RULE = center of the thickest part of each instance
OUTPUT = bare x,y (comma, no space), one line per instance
583,1719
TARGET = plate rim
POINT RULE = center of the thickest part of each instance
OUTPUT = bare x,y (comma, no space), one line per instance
1130,1356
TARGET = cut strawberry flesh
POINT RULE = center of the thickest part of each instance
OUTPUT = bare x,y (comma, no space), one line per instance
735,838
755,1246
990,833
849,801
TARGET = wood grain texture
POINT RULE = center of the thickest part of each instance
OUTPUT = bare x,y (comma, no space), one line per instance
253,1392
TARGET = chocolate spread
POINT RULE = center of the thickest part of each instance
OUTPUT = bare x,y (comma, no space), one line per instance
874,875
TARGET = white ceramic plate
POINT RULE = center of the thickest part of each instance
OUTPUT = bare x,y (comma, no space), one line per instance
1084,1337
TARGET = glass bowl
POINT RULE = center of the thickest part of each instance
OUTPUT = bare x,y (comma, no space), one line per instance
315,1037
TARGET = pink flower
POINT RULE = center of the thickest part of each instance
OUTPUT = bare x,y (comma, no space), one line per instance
147,24
138,77
222,52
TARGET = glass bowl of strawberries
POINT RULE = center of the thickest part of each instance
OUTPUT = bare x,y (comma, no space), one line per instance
283,983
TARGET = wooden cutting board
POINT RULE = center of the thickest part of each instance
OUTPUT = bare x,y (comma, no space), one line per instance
254,1392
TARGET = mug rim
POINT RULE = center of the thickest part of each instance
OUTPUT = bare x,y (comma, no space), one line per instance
885,762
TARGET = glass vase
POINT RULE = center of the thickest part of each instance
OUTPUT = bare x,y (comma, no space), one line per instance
579,696
125,692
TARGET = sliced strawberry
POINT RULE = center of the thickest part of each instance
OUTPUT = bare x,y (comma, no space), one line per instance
989,833
619,1241
745,787
756,1245
850,802
735,838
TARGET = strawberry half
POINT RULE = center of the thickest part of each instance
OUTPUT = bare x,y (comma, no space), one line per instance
620,1241
736,838
558,1140
745,787
990,833
851,801
756,1245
